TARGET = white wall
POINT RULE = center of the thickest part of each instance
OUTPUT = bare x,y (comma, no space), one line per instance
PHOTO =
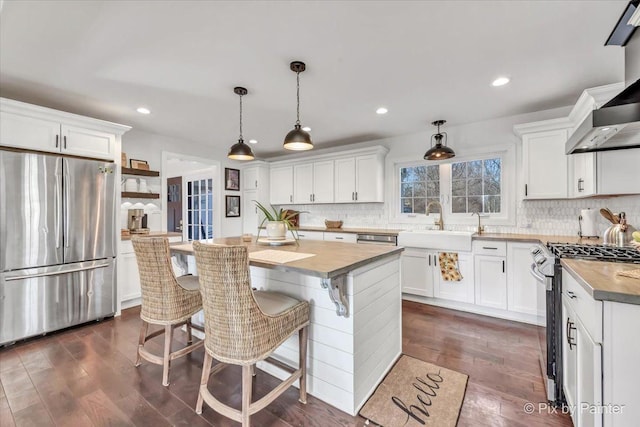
559,217
150,147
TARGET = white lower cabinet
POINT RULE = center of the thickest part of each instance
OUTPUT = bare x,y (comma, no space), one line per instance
341,237
418,272
523,291
491,281
461,290
310,235
582,349
420,275
496,280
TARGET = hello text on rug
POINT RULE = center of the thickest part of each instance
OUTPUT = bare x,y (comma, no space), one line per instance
427,388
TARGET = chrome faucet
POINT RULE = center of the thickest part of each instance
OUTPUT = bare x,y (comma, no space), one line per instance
480,228
439,222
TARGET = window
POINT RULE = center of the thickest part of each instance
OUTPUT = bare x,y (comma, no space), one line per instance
419,185
199,209
476,186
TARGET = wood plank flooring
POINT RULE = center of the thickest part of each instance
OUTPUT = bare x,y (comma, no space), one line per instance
85,377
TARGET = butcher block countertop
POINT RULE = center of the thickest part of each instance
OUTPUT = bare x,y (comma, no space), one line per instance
154,234
330,259
536,238
602,282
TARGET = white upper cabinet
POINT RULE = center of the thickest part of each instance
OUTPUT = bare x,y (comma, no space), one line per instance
281,185
27,132
313,182
323,182
617,172
345,177
582,175
369,179
88,142
345,180
42,129
545,164
303,183
250,178
360,179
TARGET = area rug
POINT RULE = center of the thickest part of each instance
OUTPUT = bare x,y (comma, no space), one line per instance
416,393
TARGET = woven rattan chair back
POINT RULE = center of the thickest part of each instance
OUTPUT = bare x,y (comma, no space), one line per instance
163,300
235,328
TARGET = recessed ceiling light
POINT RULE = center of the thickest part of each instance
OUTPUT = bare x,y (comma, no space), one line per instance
500,81
585,146
381,110
253,141
306,129
143,110
605,129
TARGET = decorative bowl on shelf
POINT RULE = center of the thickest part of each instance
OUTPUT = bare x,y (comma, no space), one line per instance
332,224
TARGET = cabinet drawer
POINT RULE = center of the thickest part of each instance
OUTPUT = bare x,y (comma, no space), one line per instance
311,235
489,247
588,310
341,237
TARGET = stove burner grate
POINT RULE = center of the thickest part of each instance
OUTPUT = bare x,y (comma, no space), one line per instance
595,252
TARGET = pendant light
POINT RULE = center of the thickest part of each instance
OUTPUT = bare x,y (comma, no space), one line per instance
240,150
298,139
440,151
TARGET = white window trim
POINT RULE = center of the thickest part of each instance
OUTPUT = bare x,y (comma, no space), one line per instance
508,188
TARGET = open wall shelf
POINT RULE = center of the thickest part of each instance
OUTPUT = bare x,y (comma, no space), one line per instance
139,172
136,195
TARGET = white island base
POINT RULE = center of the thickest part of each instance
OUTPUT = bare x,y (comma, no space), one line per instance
348,356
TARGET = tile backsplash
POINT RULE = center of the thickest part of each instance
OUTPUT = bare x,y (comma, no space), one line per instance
551,217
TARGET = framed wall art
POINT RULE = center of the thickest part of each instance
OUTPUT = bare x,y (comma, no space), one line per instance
232,206
231,179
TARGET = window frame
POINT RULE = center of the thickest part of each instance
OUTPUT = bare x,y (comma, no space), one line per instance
507,216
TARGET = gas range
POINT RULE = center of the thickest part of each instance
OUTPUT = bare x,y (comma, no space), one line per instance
595,252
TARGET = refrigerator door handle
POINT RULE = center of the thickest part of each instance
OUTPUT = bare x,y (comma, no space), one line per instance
58,206
66,185
57,272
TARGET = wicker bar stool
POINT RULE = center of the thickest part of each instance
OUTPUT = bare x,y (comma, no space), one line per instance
243,327
166,300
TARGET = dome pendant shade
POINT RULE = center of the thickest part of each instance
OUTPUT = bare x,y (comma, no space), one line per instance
240,151
298,140
440,151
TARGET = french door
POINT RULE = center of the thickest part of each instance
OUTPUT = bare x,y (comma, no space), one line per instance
199,207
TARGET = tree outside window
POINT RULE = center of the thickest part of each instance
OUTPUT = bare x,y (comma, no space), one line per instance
476,186
419,185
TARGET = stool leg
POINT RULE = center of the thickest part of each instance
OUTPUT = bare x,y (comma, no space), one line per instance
253,370
206,371
168,337
246,394
144,327
189,335
303,337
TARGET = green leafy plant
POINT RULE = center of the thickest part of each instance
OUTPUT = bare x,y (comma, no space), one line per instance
277,215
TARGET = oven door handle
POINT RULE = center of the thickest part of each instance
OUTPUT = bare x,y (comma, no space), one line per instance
535,273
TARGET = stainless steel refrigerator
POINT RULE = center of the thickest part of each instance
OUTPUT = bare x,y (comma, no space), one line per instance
57,243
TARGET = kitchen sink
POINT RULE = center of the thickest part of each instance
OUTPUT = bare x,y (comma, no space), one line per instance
436,239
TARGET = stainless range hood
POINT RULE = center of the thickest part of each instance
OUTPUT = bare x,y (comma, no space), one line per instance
614,126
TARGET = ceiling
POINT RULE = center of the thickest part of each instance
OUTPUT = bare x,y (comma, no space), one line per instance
422,60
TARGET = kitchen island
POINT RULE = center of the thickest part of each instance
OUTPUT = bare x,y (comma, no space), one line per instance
355,334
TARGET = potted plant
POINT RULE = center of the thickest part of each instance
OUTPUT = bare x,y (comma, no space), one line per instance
277,222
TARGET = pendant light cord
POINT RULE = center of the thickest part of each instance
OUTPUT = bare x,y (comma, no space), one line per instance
240,117
298,97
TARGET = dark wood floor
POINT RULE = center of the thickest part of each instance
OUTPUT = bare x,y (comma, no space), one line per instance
85,376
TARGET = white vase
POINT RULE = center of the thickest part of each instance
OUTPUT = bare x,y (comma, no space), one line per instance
276,230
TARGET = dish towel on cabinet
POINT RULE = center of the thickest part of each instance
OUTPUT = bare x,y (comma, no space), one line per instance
449,266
